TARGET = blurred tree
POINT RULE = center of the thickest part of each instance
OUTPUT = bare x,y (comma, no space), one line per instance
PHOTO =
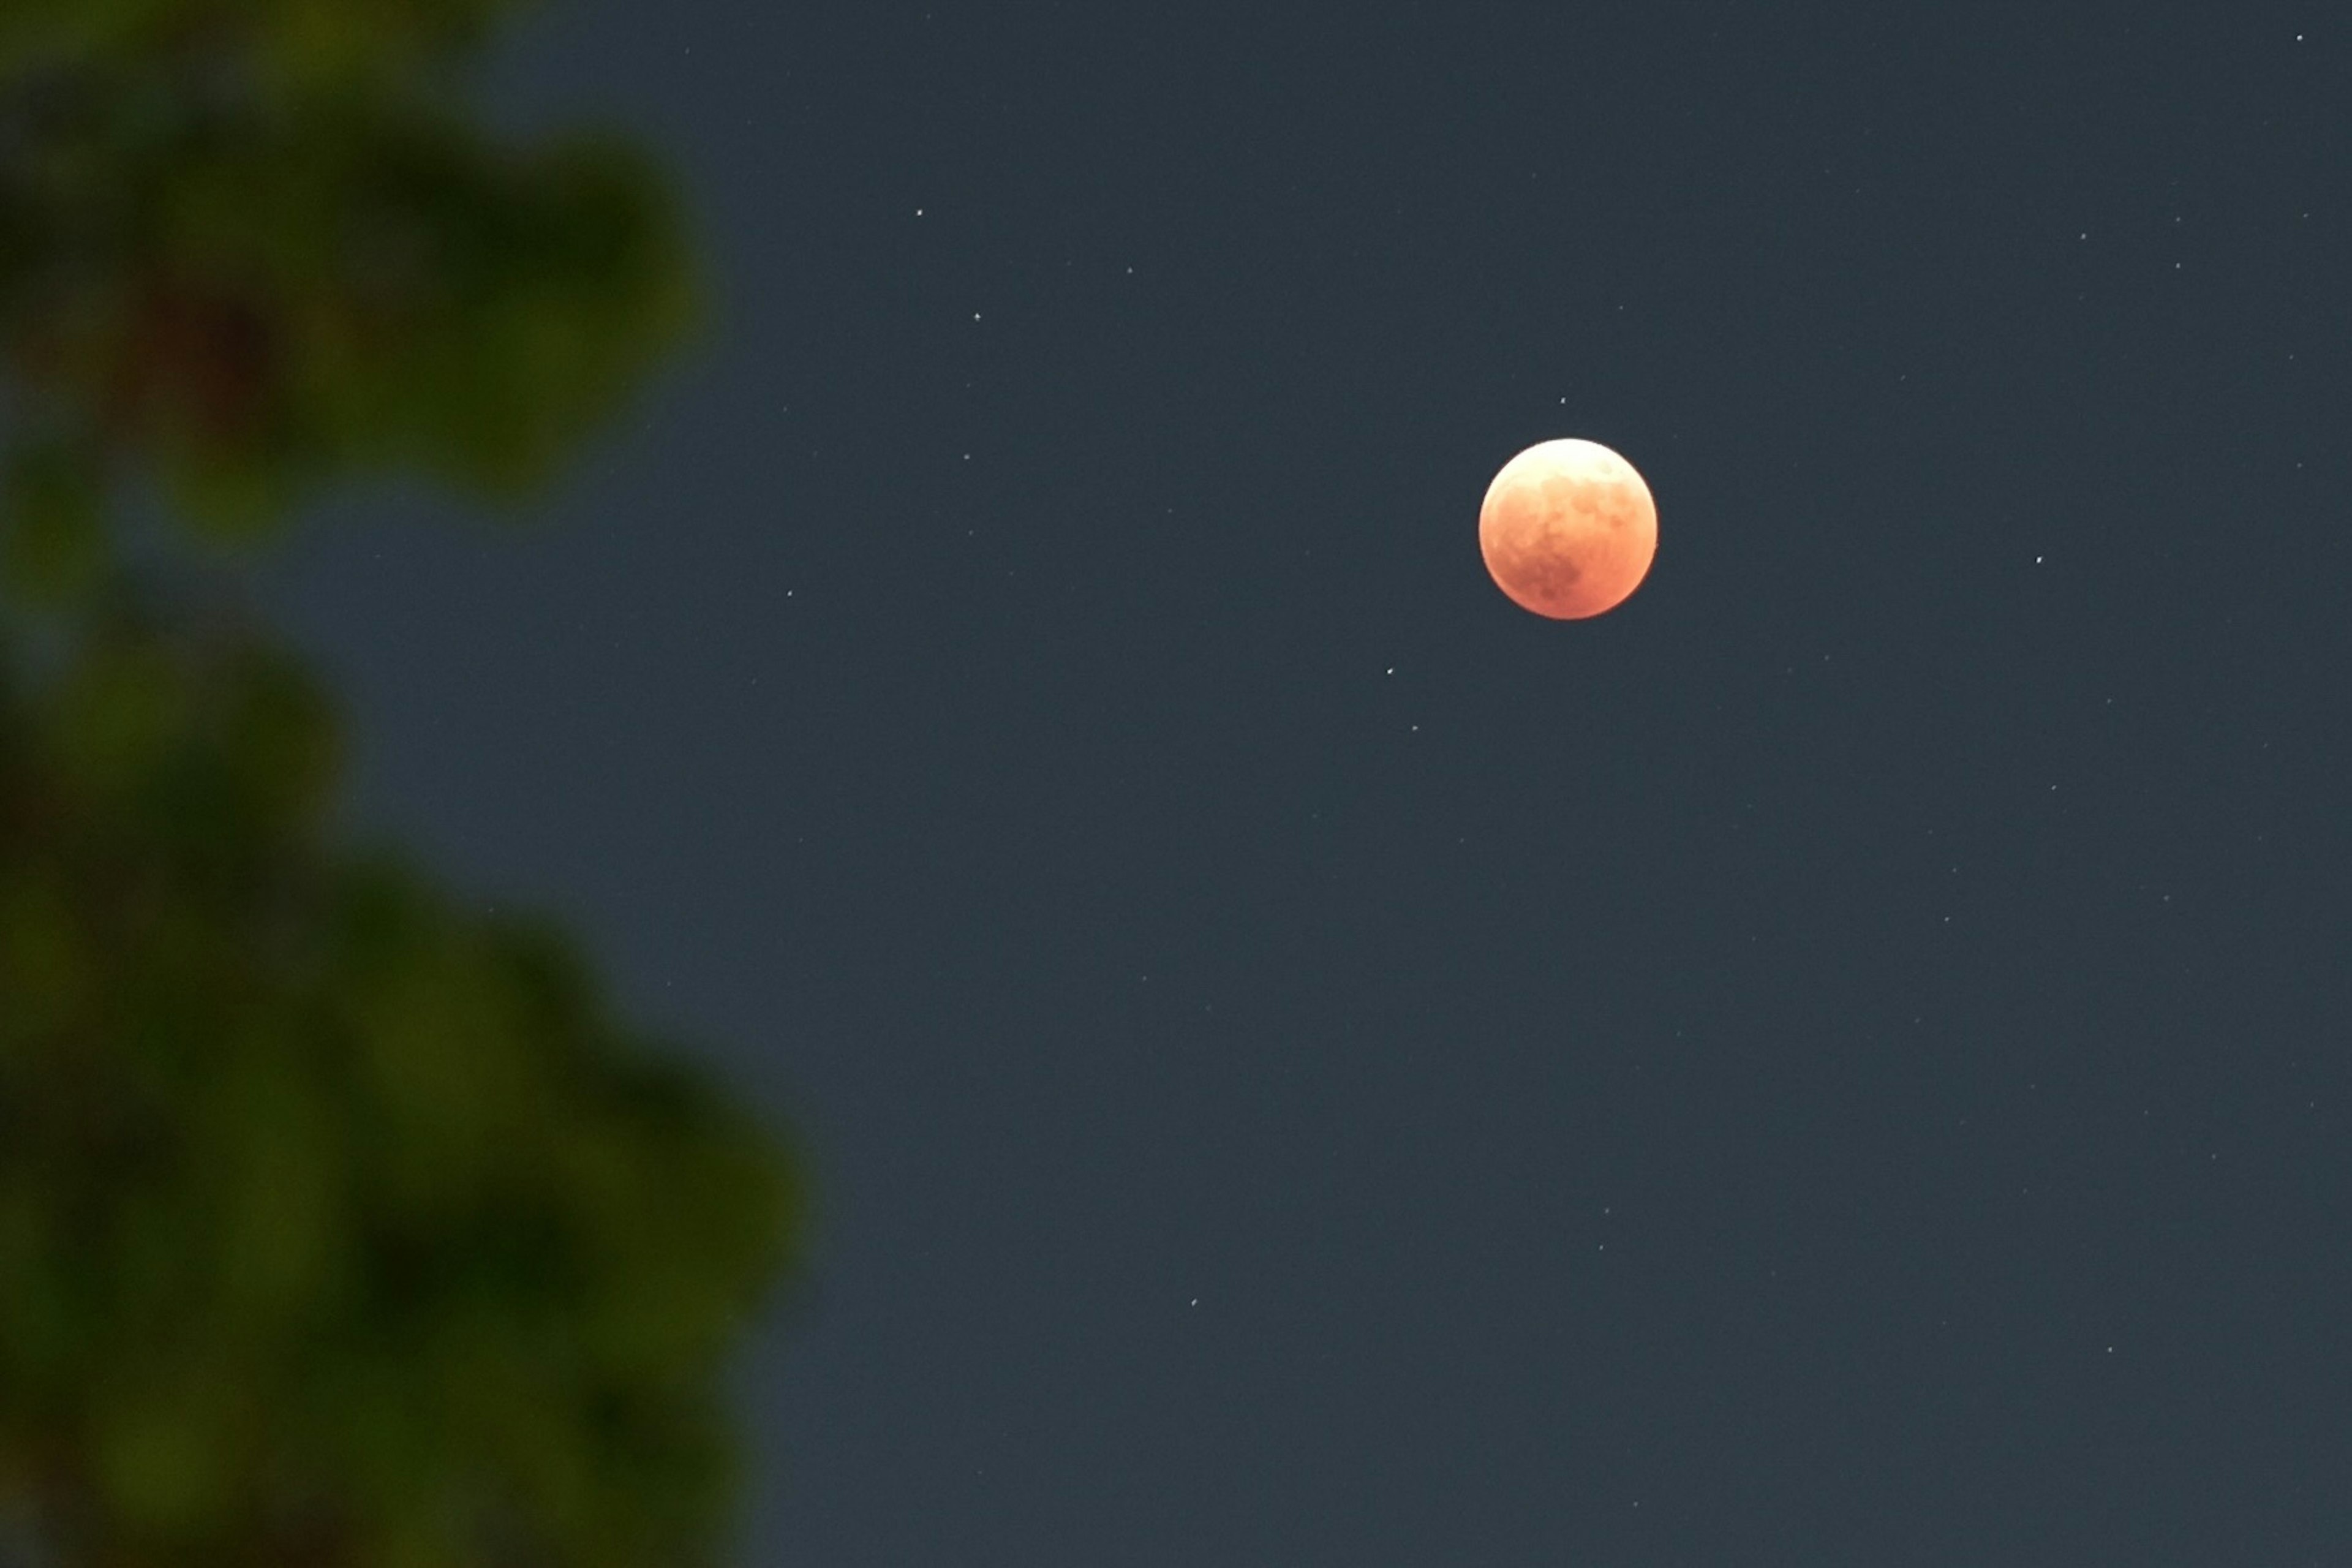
248,247
338,1225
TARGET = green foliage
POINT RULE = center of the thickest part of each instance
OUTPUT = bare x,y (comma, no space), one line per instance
52,523
241,249
332,1219
339,1225
343,44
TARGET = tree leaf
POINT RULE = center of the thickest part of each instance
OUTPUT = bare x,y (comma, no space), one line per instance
53,513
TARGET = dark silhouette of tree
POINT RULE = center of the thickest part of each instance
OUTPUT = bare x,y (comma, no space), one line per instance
338,1225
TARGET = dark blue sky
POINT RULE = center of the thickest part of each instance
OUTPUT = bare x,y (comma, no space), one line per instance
1841,1060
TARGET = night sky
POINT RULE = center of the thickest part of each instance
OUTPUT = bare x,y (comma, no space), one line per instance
1840,1061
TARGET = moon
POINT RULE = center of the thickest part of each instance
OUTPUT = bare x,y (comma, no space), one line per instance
1568,530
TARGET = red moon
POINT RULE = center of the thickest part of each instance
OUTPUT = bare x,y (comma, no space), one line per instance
1568,530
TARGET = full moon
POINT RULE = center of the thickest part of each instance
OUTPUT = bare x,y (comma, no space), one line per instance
1568,530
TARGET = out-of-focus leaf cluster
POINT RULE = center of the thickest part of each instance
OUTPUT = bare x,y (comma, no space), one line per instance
338,1225
248,247
313,41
